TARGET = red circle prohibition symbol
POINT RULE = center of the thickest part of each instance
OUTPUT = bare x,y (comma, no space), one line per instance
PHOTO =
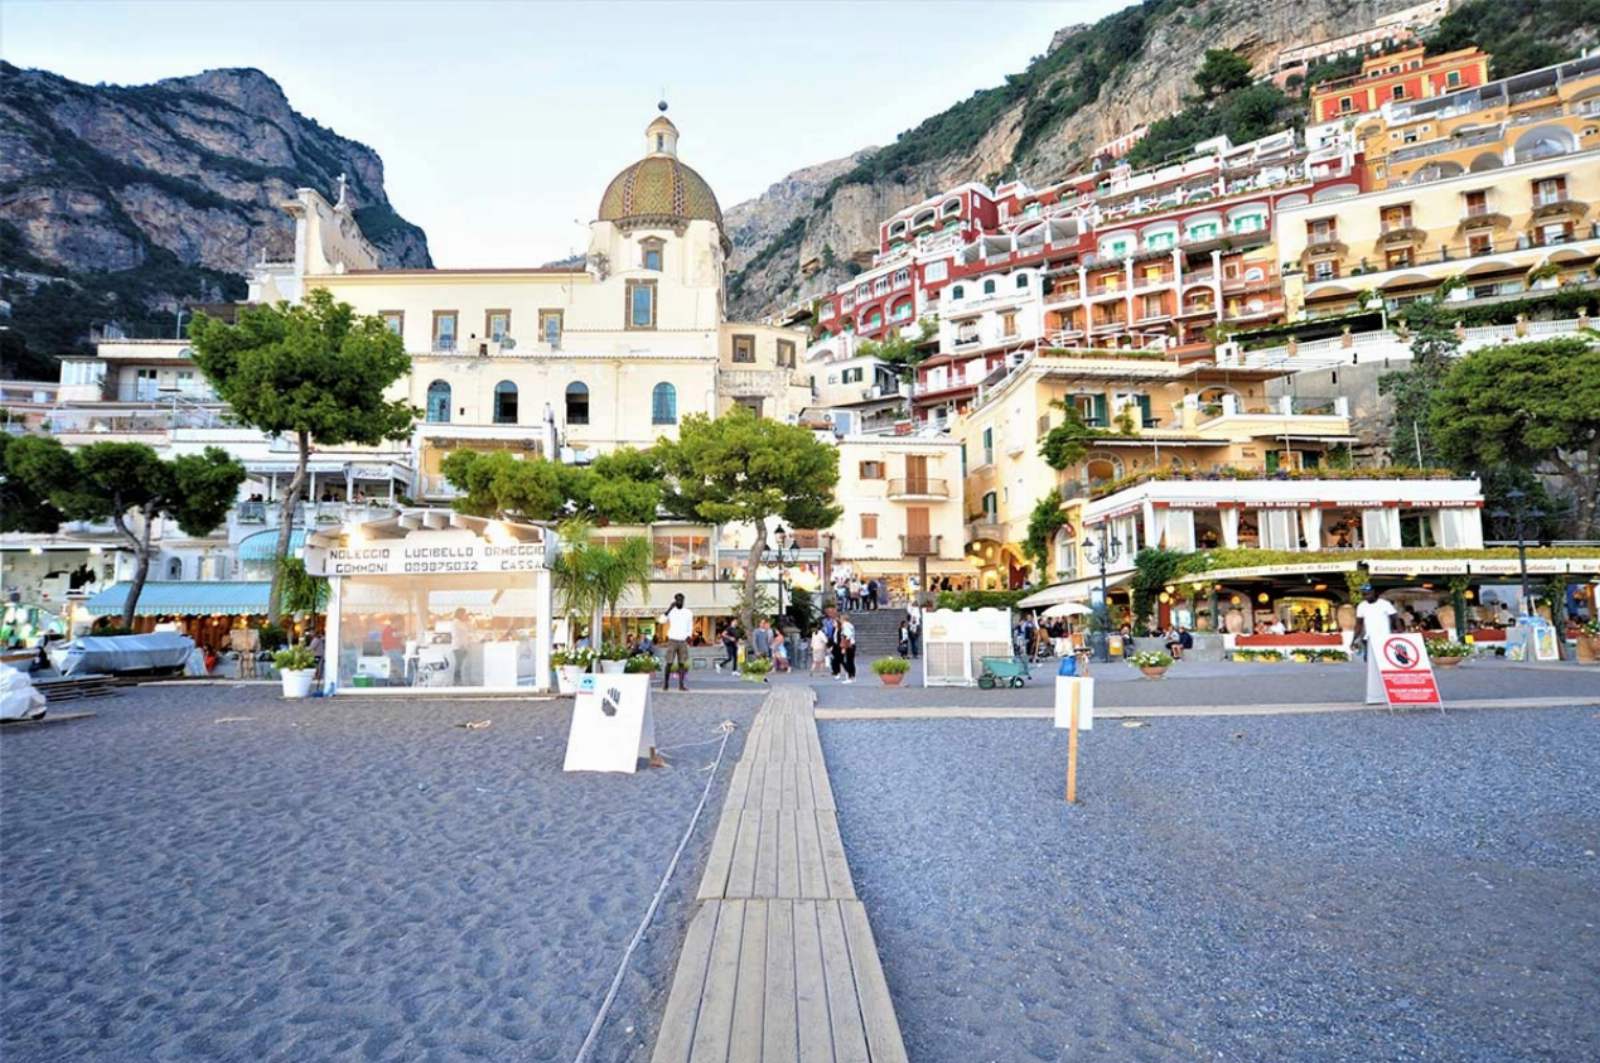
1401,654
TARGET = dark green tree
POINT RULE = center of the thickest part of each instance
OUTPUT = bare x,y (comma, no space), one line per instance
316,372
1223,71
623,487
1534,406
22,509
129,485
1043,523
745,469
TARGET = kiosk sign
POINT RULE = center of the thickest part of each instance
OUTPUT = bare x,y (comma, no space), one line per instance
1400,673
612,725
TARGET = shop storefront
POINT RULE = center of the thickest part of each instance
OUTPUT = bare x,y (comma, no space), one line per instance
437,600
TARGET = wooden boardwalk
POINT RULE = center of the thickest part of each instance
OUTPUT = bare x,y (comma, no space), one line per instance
779,962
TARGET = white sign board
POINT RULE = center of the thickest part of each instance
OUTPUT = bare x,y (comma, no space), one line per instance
1070,689
401,557
1400,673
612,726
954,642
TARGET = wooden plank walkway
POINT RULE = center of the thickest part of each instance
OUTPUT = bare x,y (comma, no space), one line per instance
779,963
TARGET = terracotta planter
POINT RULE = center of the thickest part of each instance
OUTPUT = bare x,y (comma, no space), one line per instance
892,679
1447,662
1151,672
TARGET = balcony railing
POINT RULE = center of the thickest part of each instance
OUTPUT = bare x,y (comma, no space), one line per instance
920,545
923,487
986,528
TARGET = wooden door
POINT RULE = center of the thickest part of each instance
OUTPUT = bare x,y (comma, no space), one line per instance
917,539
917,475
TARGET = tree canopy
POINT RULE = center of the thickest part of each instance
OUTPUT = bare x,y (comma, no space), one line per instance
108,481
623,487
745,469
315,371
22,509
1533,405
1223,71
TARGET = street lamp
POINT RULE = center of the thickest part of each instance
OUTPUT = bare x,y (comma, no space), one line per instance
781,537
1101,554
1520,513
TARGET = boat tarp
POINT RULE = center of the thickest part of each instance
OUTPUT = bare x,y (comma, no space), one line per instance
110,654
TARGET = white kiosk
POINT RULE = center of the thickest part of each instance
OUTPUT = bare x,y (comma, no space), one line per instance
436,599
955,643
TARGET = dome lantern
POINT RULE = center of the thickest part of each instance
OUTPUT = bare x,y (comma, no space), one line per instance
659,191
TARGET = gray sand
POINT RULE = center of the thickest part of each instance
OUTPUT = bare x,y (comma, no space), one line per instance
354,879
1324,887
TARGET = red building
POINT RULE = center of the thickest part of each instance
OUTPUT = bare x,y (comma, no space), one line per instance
1409,74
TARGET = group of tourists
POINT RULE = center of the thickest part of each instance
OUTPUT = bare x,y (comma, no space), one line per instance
854,594
834,640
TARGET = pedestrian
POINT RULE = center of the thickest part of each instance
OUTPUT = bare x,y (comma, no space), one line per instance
847,650
1374,620
819,649
904,641
831,622
761,639
730,646
679,621
914,630
780,651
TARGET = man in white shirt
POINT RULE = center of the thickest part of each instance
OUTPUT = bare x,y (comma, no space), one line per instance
1373,618
679,620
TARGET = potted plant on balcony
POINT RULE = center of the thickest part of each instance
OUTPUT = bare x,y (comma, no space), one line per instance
298,669
892,670
569,665
1545,275
1153,663
1447,654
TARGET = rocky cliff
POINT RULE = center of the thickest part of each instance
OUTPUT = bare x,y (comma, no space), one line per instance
1093,84
146,196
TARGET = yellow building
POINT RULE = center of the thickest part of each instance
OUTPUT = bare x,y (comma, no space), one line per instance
1150,412
1551,111
1486,232
902,511
612,352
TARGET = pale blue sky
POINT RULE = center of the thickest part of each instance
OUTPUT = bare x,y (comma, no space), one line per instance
500,123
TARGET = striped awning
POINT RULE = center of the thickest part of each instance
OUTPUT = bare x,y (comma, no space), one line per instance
263,545
185,598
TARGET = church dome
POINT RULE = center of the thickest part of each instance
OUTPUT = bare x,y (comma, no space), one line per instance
658,190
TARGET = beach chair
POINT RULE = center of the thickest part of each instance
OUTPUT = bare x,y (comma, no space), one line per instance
1002,671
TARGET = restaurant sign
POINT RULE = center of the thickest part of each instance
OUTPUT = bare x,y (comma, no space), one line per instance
1509,566
1419,567
405,558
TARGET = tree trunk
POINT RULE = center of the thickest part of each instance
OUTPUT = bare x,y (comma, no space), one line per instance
141,551
757,549
291,499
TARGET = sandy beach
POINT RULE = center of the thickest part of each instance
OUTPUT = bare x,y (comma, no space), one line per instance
1295,888
211,873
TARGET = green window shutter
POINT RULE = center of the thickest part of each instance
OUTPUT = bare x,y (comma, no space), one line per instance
1272,461
1100,411
1144,409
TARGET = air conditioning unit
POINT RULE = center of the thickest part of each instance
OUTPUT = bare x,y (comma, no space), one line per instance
844,422
507,343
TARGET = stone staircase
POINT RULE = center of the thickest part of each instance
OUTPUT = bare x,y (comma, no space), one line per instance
877,631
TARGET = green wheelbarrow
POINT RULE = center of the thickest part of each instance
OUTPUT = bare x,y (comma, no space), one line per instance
1002,671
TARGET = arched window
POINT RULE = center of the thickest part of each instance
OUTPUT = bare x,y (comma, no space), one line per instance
175,568
1022,280
988,286
958,292
664,404
438,402
577,402
505,403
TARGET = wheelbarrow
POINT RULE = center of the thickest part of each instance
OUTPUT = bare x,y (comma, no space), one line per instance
1002,671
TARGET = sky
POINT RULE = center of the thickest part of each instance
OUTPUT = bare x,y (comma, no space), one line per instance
499,124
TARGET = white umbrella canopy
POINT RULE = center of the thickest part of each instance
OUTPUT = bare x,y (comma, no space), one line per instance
1065,609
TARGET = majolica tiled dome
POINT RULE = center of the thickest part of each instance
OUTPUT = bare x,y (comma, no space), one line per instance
658,189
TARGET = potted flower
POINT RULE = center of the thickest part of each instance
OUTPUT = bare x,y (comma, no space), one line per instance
569,665
297,668
613,658
641,663
755,669
892,670
1447,654
1545,275
1153,663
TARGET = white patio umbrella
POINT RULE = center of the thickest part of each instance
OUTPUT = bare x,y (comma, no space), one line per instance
1065,609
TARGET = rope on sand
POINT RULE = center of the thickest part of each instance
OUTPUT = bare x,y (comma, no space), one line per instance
585,1049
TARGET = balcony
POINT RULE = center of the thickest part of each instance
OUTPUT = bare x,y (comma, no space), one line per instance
986,529
1325,244
922,487
1400,233
252,512
1483,217
1559,206
920,545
